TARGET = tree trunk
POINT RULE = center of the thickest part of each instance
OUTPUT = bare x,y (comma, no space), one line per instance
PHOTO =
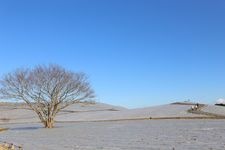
49,123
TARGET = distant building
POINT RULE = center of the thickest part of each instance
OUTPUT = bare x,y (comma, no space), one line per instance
220,102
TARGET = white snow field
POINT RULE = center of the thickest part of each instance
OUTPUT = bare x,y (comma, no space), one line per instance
218,110
105,127
95,112
120,135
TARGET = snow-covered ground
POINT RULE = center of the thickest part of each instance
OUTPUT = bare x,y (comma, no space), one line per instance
218,110
120,135
95,112
115,128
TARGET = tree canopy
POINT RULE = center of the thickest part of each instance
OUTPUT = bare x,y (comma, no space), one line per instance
46,89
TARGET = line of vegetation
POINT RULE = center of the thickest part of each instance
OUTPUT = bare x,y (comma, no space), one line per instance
200,112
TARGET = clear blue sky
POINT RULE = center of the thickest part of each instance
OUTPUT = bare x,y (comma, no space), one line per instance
136,53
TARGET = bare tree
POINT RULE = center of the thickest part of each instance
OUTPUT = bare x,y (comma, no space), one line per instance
46,90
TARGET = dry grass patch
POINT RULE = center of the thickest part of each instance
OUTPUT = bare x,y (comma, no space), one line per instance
9,146
3,129
4,119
